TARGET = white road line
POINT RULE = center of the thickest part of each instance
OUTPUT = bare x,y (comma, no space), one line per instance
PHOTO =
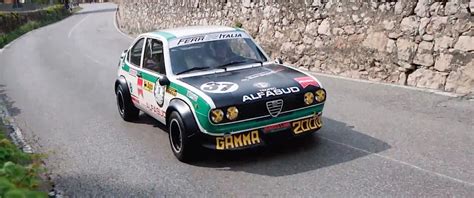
118,29
449,94
399,162
75,26
92,59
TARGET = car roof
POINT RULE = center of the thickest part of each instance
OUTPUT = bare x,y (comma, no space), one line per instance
181,32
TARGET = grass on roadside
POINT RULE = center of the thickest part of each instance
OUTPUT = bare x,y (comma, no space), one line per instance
19,171
50,15
76,9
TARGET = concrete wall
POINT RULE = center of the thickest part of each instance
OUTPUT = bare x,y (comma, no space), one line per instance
422,43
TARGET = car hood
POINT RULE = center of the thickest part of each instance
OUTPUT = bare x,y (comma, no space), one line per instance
269,82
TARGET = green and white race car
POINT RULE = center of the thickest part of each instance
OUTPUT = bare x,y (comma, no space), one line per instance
213,86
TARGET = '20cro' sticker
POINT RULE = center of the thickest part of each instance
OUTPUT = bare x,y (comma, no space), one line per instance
219,87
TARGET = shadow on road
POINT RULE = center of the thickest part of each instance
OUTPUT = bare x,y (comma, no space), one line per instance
148,120
298,155
102,185
6,101
326,148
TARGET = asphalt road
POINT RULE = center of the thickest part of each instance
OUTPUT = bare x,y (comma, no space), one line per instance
377,140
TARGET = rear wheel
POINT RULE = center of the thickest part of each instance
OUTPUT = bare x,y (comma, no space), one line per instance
181,146
125,106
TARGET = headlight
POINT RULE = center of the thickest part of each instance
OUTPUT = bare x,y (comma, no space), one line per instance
217,115
320,95
232,113
308,98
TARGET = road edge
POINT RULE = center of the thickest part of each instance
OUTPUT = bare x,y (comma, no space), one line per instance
15,132
15,40
426,90
116,25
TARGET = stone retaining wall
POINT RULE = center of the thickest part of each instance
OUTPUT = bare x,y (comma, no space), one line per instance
422,43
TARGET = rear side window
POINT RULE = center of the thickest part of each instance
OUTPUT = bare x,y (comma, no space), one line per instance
153,58
136,53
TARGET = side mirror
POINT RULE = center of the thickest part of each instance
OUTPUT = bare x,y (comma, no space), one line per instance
164,81
123,54
278,61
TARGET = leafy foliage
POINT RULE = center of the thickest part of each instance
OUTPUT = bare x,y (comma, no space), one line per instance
30,22
238,24
19,171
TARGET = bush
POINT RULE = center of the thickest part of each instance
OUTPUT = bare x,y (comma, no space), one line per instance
238,24
13,25
19,171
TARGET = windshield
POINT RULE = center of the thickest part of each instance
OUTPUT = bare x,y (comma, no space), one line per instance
214,54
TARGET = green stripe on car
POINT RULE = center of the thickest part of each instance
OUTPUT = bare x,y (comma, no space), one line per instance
217,129
166,35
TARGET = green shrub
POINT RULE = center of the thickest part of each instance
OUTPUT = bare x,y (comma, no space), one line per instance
24,24
19,171
238,24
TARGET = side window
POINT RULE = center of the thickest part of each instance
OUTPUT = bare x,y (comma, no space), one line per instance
136,53
153,58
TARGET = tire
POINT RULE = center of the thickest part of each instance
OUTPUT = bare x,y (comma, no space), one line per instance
126,108
181,146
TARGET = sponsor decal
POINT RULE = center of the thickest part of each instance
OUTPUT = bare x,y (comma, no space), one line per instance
230,35
277,127
159,94
192,96
262,85
132,72
306,81
172,91
140,86
270,93
306,125
148,86
191,40
152,108
207,37
238,140
130,87
262,74
219,87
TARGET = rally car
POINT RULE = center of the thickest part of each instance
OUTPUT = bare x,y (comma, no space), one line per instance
213,86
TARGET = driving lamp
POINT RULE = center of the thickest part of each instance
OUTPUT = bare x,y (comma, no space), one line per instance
308,98
320,95
217,115
232,113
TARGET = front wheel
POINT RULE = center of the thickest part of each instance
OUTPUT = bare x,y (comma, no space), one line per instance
127,110
181,146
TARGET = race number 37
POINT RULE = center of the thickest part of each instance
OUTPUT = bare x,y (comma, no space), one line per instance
219,87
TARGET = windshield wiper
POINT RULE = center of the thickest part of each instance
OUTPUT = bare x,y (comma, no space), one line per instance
239,62
192,69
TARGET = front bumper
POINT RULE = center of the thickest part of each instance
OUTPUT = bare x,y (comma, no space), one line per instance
264,135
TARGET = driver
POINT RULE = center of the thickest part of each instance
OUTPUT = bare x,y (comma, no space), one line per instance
221,51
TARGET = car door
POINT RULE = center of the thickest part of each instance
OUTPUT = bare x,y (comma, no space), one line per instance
153,68
133,62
